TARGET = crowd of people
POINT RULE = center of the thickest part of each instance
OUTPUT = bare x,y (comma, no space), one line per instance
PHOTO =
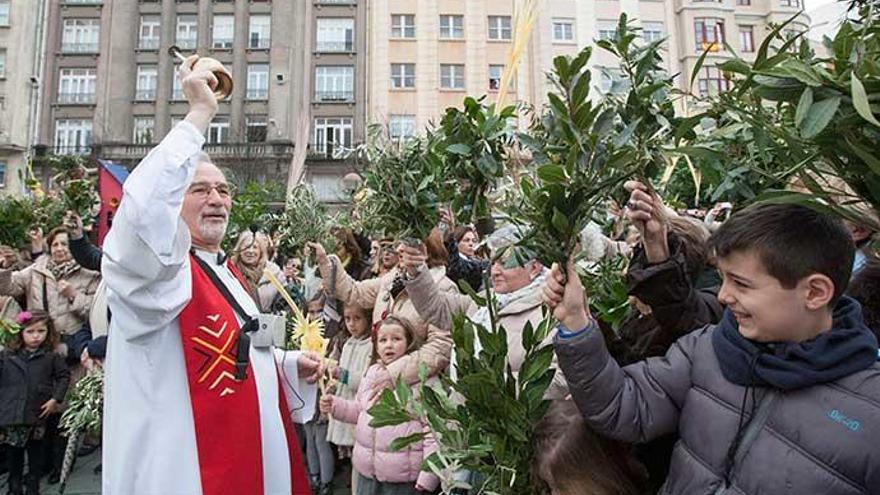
747,362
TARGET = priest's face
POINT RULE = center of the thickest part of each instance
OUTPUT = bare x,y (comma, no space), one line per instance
206,207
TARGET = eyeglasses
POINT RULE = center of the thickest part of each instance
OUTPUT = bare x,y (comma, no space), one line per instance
202,190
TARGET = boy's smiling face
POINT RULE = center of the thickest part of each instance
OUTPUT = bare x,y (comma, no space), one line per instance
765,310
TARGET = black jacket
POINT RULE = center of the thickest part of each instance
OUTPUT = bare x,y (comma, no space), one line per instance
677,306
86,254
27,381
469,269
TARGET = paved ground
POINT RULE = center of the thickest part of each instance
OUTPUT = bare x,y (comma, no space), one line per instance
84,480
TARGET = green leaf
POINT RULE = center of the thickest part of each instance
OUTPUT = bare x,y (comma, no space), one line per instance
860,101
698,66
803,107
459,149
818,117
404,442
552,174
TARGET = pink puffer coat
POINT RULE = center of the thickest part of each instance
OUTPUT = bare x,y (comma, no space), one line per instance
372,456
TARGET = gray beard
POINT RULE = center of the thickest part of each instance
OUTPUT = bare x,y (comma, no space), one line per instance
213,234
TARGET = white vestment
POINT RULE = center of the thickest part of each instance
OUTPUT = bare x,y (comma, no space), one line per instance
149,444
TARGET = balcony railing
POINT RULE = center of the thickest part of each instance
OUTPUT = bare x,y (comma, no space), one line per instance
177,95
130,151
337,2
222,43
68,47
335,46
73,149
257,93
148,43
334,96
76,98
83,2
330,151
259,43
145,95
186,43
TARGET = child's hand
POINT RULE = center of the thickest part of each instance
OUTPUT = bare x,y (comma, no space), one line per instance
567,298
383,381
50,407
326,404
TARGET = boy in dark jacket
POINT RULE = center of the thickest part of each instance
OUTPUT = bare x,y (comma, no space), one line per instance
33,382
782,396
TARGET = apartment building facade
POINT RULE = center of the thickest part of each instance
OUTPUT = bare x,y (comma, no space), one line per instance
428,55
315,73
21,36
112,89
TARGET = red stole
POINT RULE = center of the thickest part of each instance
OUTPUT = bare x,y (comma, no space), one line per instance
226,412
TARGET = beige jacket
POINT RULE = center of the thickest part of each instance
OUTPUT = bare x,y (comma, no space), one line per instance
67,316
436,344
438,308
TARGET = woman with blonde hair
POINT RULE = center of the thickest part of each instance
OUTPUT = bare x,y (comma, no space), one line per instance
251,257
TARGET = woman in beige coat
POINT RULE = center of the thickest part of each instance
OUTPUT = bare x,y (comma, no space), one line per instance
386,299
55,283
518,294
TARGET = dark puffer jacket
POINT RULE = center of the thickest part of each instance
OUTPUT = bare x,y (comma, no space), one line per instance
816,439
27,381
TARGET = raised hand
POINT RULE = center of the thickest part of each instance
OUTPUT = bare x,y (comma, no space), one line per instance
38,242
197,87
647,212
412,258
566,297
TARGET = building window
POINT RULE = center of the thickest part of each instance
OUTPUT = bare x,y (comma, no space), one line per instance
495,73
224,31
402,126
791,3
403,26
145,89
80,36
563,30
218,130
452,27
403,75
334,83
2,63
607,29
256,129
499,27
744,2
143,130
652,31
747,38
4,12
258,81
452,76
712,82
335,35
333,137
2,173
77,86
187,31
149,32
709,33
73,136
176,88
259,32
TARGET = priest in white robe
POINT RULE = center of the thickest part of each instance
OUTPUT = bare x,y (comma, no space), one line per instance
193,406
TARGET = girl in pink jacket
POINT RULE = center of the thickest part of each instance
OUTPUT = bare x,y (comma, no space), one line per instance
382,471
